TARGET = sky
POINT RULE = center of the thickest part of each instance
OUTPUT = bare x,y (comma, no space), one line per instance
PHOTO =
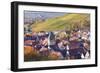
30,16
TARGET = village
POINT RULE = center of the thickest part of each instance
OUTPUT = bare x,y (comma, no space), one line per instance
57,45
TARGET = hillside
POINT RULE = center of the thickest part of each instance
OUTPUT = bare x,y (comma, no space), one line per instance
65,22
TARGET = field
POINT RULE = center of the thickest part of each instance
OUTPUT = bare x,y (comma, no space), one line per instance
66,22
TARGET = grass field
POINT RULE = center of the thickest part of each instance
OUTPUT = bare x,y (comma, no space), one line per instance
65,22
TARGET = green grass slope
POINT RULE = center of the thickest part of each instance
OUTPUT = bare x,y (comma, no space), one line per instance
65,22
